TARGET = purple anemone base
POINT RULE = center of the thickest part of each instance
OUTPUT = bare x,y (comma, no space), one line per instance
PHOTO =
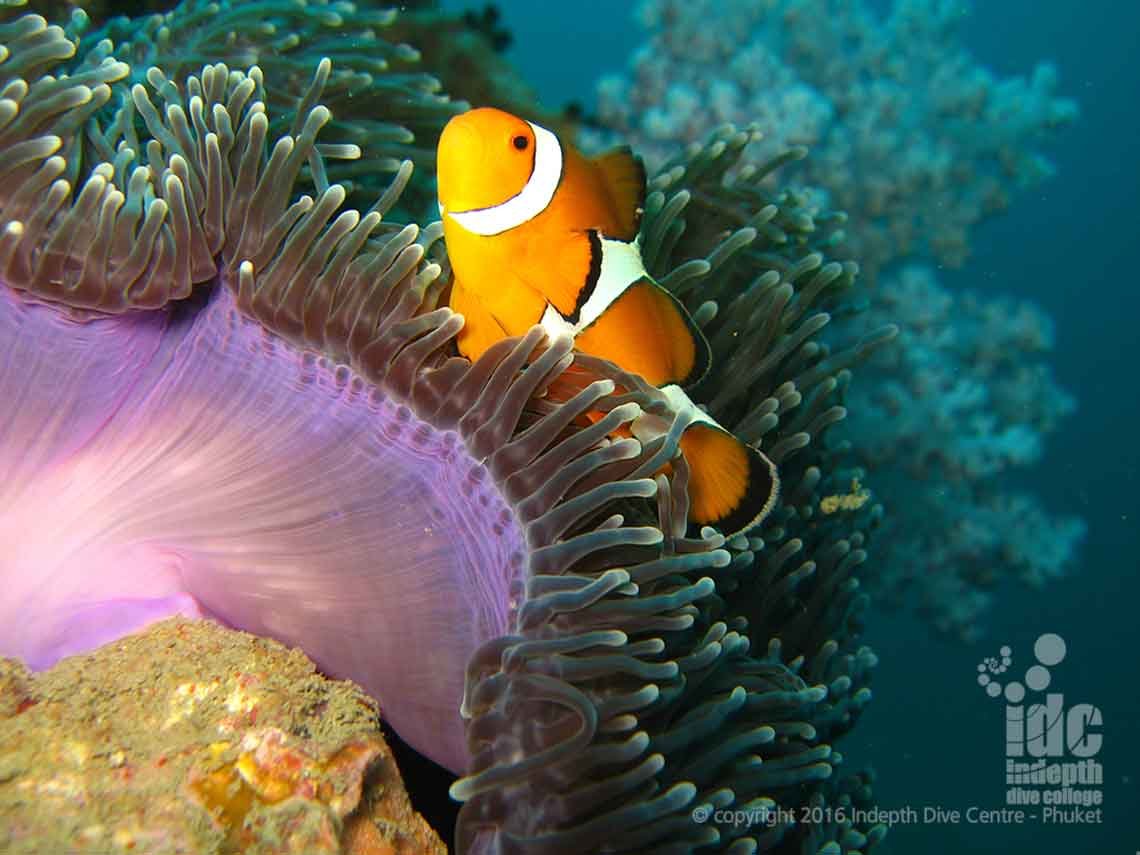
188,462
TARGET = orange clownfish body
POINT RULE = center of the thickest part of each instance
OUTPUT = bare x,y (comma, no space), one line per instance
539,234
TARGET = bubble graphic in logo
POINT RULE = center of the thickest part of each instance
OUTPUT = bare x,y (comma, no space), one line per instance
1048,650
1037,678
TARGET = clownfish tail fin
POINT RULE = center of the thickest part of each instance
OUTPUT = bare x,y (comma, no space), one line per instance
624,175
733,486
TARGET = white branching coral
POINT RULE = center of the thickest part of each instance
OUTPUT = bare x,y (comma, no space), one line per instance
909,134
961,400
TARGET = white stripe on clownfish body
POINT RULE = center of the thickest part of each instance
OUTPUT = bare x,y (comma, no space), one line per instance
621,267
650,426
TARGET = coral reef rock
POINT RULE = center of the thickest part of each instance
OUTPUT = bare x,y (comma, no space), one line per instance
193,738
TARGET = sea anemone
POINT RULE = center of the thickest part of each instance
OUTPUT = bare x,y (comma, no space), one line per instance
241,405
229,401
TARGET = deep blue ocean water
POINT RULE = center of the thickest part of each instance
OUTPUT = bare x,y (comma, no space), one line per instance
1069,245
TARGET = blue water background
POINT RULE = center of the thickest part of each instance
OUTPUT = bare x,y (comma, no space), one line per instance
1070,245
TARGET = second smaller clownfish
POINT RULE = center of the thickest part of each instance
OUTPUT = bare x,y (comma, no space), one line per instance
539,234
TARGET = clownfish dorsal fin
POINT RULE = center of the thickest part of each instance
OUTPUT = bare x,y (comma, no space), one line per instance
623,173
647,330
702,352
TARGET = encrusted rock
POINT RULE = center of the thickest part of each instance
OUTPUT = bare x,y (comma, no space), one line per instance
191,738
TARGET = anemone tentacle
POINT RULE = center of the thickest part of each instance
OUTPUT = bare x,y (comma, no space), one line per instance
386,108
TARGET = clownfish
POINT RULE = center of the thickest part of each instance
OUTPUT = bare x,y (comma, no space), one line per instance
537,233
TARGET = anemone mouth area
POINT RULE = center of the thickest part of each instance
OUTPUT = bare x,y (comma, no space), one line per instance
187,461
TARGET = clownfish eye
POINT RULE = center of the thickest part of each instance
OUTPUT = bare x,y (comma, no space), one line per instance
520,142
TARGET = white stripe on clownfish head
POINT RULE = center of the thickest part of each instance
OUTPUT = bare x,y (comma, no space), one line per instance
528,202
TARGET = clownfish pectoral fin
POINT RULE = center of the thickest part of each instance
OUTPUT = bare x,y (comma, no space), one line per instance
565,270
732,486
647,330
623,173
481,329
